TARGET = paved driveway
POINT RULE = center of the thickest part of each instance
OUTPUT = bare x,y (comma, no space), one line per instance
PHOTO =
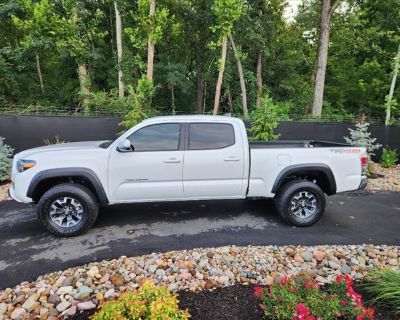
26,251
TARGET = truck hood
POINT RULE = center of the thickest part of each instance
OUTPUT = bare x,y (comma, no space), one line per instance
60,147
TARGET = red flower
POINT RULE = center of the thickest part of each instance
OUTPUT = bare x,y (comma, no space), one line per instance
301,309
279,299
258,292
369,313
343,302
307,284
330,296
339,278
360,317
284,280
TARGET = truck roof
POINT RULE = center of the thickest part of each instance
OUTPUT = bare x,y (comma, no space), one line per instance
194,117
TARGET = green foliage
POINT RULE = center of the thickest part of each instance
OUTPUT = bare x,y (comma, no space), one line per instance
363,41
389,158
265,119
139,103
361,137
296,299
5,160
384,285
147,303
227,13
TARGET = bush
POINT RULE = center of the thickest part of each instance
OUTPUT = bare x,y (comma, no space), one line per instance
384,285
5,160
147,303
389,158
265,119
360,137
139,103
295,299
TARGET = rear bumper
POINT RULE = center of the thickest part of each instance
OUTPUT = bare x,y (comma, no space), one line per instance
363,183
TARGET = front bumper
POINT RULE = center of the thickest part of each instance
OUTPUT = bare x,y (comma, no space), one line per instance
13,194
363,183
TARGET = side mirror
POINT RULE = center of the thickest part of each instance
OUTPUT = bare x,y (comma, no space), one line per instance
124,146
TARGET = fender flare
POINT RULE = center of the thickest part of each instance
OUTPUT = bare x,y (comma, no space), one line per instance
86,173
304,169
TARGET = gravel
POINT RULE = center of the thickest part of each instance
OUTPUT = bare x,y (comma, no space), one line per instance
388,179
194,270
4,191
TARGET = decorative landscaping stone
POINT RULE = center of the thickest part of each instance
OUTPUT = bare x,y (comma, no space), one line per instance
88,305
194,270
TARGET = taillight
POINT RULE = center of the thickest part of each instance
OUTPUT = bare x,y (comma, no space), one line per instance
364,164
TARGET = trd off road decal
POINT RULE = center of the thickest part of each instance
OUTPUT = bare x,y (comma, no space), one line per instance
346,151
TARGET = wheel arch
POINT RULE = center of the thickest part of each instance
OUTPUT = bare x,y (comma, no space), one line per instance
321,172
46,179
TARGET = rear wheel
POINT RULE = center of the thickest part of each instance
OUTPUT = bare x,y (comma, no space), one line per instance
67,209
300,203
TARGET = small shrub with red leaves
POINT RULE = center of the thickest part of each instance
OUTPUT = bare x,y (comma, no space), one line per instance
304,299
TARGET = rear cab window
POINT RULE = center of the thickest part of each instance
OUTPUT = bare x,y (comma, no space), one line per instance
210,136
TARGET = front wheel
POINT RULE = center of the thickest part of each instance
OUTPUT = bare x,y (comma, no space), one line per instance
300,203
67,209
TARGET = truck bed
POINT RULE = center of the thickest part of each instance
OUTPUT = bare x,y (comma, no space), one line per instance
284,144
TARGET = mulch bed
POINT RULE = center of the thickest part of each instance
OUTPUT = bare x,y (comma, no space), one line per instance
235,303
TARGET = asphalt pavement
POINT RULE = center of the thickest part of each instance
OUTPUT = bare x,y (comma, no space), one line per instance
26,251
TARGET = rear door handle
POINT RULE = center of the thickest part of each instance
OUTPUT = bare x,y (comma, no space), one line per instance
172,160
231,159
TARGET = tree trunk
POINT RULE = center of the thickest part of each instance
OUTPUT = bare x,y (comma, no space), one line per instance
150,46
241,77
39,71
392,85
220,76
259,79
118,33
84,81
326,14
230,100
200,91
173,99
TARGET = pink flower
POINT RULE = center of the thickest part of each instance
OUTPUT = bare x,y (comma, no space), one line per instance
279,299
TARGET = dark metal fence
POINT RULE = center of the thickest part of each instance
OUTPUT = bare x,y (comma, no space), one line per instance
24,132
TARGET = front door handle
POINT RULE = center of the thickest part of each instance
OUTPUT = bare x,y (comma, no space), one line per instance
231,159
172,160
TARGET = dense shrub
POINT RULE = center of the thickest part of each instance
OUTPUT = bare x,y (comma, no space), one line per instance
299,300
5,160
147,303
389,158
384,285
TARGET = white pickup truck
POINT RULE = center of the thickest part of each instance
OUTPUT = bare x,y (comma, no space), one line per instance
183,158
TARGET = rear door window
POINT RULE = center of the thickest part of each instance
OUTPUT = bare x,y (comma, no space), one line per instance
208,136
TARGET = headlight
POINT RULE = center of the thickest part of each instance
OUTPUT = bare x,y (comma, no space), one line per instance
23,165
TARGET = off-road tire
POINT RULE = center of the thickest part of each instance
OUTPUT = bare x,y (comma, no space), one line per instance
76,191
285,196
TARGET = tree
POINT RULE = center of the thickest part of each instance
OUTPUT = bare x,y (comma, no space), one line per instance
38,28
118,35
241,77
392,86
78,35
327,9
226,12
151,44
